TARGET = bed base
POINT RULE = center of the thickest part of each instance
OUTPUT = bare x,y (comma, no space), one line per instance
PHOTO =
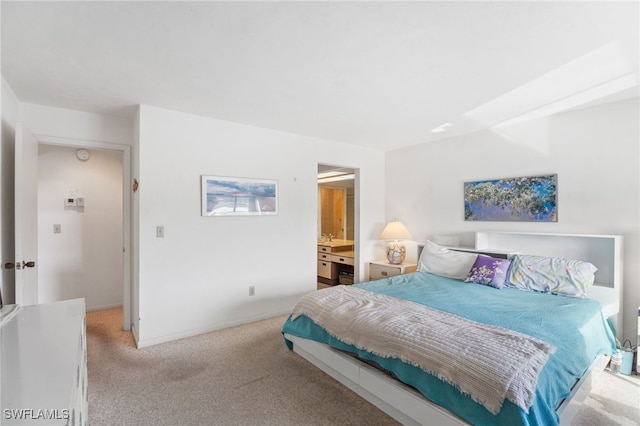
404,403
581,389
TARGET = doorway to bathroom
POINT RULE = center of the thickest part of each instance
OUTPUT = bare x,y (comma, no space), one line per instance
337,225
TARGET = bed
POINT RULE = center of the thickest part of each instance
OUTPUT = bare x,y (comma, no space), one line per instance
571,335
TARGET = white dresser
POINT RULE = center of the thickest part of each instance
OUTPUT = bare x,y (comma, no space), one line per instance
43,365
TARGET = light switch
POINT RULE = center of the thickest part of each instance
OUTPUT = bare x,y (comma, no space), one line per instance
160,231
57,228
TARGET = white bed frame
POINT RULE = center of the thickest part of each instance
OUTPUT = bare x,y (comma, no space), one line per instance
407,405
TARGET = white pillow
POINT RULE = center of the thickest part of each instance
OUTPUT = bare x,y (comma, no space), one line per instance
447,263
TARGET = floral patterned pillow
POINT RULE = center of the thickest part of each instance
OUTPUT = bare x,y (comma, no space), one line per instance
489,270
551,275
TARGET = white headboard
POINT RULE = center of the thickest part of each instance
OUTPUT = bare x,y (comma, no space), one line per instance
604,251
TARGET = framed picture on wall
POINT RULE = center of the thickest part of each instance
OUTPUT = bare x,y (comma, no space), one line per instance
520,199
231,196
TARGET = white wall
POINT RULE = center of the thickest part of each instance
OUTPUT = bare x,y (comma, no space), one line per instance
197,277
79,125
207,264
85,258
594,151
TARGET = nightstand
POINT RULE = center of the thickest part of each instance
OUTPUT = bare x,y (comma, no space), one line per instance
383,269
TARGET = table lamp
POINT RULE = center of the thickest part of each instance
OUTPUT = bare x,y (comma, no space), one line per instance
396,251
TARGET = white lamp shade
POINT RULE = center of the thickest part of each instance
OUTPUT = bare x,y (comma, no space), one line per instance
395,231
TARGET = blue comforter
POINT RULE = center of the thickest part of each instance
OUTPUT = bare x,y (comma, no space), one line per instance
575,326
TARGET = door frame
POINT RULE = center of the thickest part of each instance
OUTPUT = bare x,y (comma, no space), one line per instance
126,208
356,211
25,217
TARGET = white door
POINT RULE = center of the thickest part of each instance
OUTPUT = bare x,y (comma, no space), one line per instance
26,216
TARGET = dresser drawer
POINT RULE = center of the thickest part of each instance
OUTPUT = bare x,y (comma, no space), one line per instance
326,269
324,256
341,259
377,272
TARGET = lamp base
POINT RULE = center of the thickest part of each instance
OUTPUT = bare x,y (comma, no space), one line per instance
396,253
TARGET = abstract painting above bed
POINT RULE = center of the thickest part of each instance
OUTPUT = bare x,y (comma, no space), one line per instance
574,327
521,199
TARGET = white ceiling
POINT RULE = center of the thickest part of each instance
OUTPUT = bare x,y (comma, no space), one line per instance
378,74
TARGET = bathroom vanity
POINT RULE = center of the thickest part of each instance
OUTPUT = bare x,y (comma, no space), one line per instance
335,262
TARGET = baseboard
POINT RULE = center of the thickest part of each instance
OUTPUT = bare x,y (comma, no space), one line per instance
197,331
103,307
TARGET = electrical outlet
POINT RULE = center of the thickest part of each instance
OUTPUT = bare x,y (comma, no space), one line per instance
160,231
252,290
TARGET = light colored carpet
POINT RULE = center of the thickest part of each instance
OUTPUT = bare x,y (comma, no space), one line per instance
614,400
239,376
245,376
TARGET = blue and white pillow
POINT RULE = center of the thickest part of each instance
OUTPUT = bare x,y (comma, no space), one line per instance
551,275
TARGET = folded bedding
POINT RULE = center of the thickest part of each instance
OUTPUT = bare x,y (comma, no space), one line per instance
574,328
487,363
